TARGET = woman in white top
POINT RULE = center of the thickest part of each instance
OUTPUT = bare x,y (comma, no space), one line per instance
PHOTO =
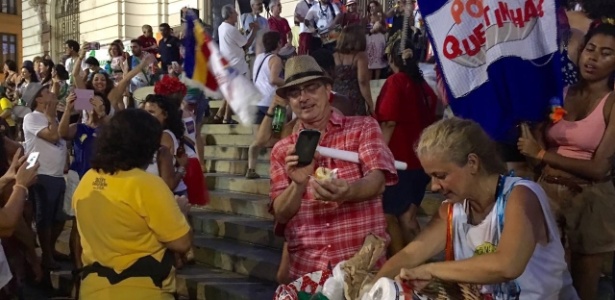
167,112
267,76
498,231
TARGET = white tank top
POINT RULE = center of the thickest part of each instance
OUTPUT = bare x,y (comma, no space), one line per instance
153,167
261,79
546,275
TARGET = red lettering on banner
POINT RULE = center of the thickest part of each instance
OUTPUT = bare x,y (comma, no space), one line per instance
530,11
455,46
451,47
517,17
486,16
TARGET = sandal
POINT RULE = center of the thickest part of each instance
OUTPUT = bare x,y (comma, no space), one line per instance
216,120
251,174
230,121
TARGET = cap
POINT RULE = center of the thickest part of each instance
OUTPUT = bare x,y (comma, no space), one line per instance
193,95
31,92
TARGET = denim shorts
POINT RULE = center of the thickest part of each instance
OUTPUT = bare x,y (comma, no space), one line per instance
410,189
48,198
261,112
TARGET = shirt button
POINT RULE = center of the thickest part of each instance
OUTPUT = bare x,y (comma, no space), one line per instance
327,224
329,246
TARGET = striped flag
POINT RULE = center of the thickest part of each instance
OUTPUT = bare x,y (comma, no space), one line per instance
207,69
197,71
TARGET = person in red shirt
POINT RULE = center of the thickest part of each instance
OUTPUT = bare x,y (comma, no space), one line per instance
147,40
406,105
278,23
326,221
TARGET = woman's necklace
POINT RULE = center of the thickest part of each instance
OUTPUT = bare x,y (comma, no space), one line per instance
498,190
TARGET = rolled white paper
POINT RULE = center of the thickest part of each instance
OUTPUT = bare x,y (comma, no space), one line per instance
352,157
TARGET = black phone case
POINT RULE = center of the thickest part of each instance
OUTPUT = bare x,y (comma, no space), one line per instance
306,146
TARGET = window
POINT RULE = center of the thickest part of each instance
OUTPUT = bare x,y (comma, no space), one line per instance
66,24
9,47
8,7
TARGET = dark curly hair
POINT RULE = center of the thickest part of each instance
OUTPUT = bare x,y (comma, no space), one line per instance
106,102
173,121
61,71
600,27
409,66
129,141
110,84
47,76
33,77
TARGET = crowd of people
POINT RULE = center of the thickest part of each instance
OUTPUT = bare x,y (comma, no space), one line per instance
125,166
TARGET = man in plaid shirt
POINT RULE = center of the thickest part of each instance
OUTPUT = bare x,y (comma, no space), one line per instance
325,222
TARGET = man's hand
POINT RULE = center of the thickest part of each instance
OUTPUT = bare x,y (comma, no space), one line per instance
299,175
50,111
334,190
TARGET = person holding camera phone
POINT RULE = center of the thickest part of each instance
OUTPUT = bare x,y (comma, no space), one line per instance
335,215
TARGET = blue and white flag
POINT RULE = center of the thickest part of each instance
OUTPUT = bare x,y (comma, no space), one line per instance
499,58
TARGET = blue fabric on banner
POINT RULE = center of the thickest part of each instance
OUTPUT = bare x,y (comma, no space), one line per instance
517,89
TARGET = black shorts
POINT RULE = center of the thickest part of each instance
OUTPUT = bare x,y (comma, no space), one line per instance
48,198
410,189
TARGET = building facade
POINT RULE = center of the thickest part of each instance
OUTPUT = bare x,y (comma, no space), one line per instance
48,23
10,32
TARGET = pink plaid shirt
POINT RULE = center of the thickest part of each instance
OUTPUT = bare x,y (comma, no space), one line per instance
323,233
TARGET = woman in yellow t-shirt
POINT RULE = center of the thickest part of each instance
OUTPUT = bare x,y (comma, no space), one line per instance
128,220
6,109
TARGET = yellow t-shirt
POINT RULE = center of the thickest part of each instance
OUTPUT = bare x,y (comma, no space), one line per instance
122,218
5,104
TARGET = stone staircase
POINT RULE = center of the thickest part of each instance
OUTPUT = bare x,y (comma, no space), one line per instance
237,254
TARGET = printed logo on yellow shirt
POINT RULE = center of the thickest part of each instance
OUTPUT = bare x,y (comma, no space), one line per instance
99,183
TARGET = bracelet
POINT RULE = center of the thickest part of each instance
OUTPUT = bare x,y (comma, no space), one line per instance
541,154
269,115
17,185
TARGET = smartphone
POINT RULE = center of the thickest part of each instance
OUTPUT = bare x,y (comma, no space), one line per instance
31,161
306,146
83,99
94,46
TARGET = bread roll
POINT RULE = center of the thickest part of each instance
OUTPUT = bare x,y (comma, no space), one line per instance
323,173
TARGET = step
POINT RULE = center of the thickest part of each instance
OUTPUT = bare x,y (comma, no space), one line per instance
241,228
237,183
197,282
239,203
235,167
226,129
233,152
244,140
243,258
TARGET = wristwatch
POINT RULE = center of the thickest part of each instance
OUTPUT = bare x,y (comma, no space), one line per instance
269,115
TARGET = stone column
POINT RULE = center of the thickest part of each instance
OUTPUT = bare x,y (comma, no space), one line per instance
40,7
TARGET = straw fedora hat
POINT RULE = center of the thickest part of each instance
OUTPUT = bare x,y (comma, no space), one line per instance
301,69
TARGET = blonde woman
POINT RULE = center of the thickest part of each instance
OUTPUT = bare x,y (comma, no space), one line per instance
498,231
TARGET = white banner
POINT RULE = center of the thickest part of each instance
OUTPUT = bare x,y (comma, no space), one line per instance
473,34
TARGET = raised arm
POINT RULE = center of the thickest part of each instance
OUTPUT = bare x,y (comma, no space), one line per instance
66,130
117,93
79,81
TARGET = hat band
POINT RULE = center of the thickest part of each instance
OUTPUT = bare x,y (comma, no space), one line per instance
302,75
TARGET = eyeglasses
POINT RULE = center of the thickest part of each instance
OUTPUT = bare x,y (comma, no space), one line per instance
310,89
